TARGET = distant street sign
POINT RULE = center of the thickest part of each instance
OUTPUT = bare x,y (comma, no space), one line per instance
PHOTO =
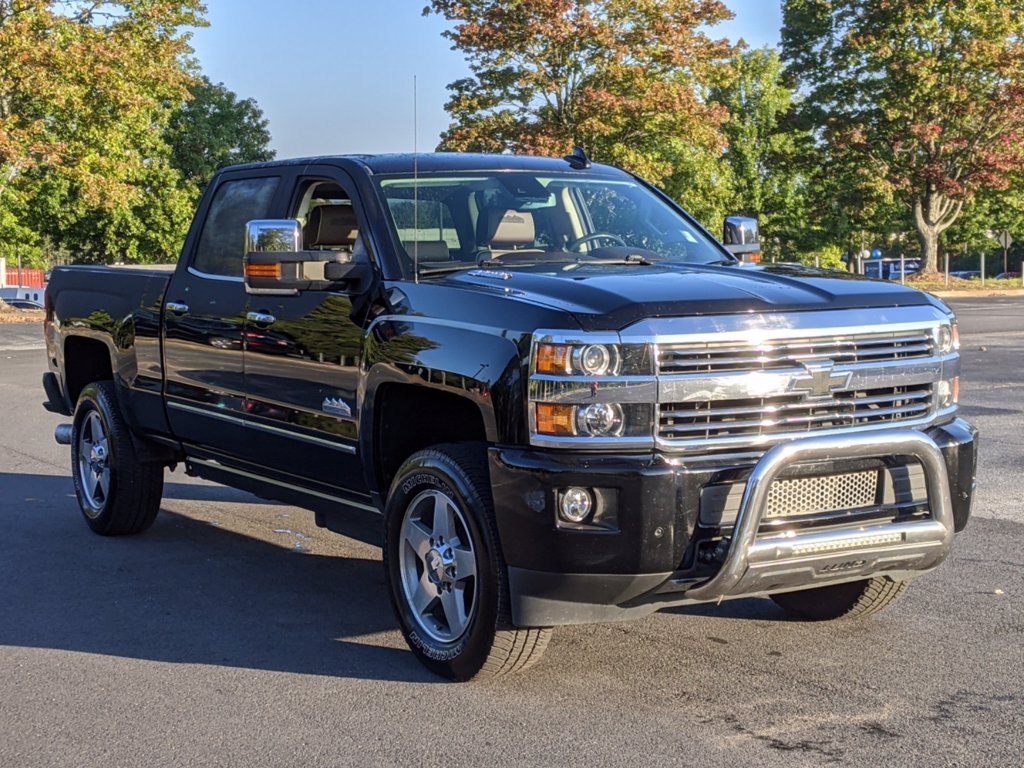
1004,239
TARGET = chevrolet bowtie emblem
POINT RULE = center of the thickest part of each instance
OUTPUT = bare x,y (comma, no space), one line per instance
821,379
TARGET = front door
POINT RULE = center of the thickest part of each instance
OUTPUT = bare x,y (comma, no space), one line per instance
302,356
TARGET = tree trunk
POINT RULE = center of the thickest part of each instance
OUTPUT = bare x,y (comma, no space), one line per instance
933,215
928,237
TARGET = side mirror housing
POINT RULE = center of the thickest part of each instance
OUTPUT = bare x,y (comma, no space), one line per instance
742,238
275,262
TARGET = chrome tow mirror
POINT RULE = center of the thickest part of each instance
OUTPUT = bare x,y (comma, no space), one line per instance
275,262
742,237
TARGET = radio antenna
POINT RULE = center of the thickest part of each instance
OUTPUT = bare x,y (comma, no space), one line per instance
415,185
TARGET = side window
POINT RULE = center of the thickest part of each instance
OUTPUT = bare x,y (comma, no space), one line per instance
221,242
434,220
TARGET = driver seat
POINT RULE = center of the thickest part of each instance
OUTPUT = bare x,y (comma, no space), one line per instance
508,231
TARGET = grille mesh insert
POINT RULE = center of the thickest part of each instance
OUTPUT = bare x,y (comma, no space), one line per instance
812,495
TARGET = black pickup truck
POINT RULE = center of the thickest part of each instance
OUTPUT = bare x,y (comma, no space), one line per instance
568,402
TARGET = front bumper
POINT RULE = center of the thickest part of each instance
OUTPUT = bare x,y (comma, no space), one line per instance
641,553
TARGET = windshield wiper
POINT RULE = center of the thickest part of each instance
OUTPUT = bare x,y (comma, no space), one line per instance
630,258
427,271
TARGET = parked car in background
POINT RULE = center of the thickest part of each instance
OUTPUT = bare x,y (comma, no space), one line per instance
890,269
1008,276
22,303
967,274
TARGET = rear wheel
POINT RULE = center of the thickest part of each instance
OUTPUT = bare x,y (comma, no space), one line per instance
839,601
447,578
118,494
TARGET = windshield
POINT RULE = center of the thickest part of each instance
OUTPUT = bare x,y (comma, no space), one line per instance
446,221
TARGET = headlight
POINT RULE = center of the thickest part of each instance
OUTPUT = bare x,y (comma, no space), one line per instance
599,419
589,390
593,420
947,339
596,360
592,359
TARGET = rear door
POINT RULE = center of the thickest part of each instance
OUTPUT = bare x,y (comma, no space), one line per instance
302,358
204,315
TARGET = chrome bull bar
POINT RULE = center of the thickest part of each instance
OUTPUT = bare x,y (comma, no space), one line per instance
781,561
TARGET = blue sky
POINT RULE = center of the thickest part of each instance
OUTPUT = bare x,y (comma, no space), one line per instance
336,76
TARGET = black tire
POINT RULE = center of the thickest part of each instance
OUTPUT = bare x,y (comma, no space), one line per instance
118,494
841,601
484,643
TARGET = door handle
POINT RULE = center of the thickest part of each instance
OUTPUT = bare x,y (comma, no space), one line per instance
177,307
260,318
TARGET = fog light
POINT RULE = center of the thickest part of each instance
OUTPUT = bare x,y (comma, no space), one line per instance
947,392
576,505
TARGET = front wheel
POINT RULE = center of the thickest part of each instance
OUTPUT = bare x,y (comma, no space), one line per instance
447,578
118,493
840,601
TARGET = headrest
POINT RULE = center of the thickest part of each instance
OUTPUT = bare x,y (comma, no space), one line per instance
428,250
509,228
331,226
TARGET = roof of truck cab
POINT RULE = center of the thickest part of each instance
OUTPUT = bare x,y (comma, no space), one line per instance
434,162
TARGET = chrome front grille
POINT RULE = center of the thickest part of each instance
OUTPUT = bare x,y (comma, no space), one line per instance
725,356
732,385
790,415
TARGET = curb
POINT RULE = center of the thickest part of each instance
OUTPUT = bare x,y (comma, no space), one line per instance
977,294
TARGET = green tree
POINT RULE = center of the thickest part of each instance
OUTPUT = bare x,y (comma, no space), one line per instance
214,128
991,212
622,78
84,89
764,148
918,103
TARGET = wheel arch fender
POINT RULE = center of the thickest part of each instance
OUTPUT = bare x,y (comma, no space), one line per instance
417,369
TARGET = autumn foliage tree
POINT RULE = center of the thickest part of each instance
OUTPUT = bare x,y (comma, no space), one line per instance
919,102
622,78
85,89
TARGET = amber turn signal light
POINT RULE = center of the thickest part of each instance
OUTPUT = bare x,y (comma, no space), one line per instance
554,358
555,419
263,270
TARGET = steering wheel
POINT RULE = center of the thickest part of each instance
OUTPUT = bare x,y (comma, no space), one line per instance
575,244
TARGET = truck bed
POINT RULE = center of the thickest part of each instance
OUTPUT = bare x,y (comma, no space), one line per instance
118,309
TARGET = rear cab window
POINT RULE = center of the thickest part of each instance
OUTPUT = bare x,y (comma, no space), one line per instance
220,248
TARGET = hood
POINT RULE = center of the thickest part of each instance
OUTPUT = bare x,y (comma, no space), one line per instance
613,297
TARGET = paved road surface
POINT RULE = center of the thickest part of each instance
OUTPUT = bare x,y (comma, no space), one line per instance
236,633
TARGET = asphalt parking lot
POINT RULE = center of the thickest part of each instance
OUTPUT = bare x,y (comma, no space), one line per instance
236,633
